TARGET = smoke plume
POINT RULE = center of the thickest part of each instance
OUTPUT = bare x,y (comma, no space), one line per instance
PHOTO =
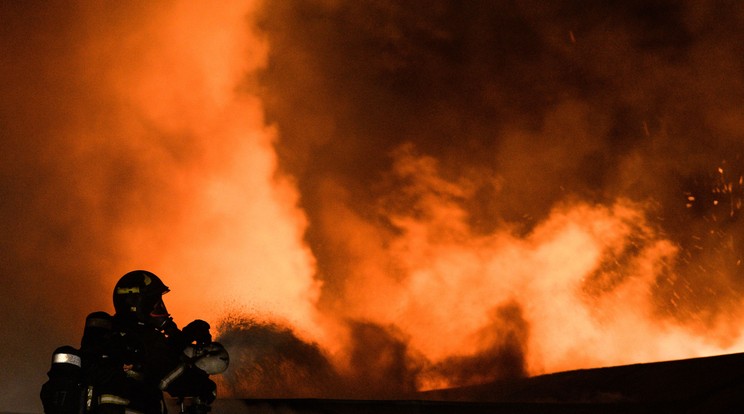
384,196
581,162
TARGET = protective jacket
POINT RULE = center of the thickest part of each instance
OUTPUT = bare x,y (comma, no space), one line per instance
152,360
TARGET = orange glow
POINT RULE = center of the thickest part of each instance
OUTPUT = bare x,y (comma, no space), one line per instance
228,234
452,280
370,198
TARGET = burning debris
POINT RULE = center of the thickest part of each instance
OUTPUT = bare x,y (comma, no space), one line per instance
725,189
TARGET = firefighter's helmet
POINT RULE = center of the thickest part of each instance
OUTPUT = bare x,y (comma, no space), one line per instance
138,294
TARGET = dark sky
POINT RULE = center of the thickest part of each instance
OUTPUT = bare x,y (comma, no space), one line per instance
407,137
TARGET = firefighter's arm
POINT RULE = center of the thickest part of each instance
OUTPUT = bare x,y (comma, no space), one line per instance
197,332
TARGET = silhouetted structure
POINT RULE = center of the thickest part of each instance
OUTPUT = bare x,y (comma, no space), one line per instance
699,385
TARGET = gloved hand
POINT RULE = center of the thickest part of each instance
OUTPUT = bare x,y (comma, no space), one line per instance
197,331
169,327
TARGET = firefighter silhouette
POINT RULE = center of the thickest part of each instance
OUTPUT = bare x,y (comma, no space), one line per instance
127,360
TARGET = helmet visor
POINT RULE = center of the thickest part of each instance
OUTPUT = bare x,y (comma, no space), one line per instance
158,309
155,313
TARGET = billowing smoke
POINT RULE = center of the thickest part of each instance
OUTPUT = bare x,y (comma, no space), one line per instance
386,196
577,162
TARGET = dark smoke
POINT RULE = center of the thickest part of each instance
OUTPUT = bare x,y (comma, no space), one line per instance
381,364
503,357
268,360
559,101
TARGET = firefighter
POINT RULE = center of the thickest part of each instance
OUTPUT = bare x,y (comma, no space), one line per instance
148,348
127,360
